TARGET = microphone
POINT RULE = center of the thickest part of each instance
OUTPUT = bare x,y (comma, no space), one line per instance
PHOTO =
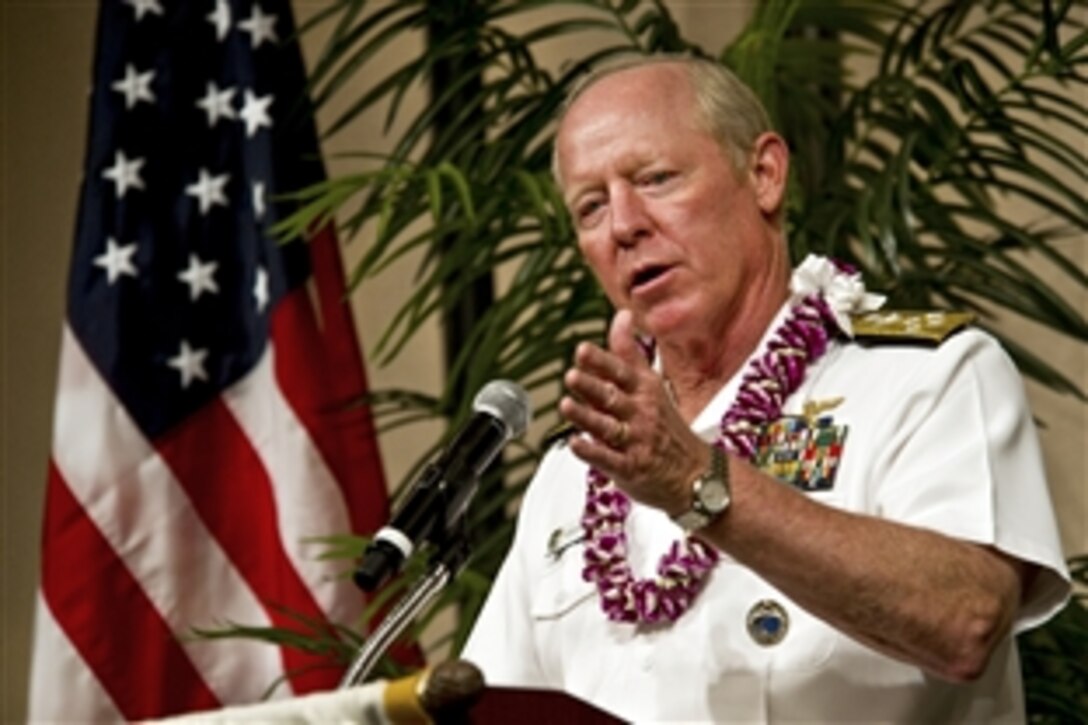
439,497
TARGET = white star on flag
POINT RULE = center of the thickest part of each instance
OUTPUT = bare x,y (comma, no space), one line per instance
260,289
116,260
208,190
216,103
260,27
255,112
220,18
199,276
144,6
258,200
124,173
135,86
189,363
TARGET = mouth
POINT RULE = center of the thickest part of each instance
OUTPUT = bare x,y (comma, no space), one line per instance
645,276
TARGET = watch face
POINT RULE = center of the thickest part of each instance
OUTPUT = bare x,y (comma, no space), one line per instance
713,495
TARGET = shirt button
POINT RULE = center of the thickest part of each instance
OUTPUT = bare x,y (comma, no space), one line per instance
768,622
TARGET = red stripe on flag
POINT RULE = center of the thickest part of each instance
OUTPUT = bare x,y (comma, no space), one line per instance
338,323
97,602
329,404
342,429
230,489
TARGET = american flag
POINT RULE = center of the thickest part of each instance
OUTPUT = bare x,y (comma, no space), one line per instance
204,432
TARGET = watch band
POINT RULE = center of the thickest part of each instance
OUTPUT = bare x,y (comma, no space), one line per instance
710,494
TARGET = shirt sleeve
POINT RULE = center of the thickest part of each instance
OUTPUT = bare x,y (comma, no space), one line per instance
964,459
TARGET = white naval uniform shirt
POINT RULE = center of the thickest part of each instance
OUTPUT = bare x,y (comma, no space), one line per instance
939,438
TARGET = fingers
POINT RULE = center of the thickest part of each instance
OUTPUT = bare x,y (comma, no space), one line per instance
621,339
598,366
618,434
596,392
607,427
631,431
613,463
603,376
604,389
601,381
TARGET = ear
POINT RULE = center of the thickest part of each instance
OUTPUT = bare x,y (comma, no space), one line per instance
768,171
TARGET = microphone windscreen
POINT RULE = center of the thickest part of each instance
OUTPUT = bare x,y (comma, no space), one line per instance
507,401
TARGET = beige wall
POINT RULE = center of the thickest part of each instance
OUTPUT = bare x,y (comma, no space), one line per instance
45,56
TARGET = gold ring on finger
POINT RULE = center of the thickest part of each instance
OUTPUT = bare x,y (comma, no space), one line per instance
620,438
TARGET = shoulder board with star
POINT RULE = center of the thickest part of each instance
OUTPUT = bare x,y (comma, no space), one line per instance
930,327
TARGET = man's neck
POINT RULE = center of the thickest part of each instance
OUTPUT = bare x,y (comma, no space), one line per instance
697,368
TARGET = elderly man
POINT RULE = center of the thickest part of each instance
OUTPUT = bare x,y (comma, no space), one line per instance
761,519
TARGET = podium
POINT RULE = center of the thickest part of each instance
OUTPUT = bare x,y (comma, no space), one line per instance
451,693
533,707
455,692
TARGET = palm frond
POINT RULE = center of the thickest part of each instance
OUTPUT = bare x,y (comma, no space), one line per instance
962,122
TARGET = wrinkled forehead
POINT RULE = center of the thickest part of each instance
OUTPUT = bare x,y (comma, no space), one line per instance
662,91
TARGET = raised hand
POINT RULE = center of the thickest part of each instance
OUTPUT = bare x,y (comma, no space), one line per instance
631,431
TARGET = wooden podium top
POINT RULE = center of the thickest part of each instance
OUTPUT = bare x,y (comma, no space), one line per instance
454,693
530,706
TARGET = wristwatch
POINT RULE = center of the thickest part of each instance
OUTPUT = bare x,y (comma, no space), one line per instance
710,494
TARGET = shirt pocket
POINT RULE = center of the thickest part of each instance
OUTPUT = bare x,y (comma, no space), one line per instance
751,626
567,625
561,588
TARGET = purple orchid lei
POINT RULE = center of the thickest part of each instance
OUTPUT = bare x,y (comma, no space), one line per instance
824,293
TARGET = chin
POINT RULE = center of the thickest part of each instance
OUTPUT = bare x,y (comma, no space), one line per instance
660,323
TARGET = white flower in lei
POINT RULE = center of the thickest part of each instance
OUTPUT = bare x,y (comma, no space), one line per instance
824,294
843,291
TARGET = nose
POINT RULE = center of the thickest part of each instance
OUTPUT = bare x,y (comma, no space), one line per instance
630,219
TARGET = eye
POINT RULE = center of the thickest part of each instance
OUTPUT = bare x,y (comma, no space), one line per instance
585,210
656,178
